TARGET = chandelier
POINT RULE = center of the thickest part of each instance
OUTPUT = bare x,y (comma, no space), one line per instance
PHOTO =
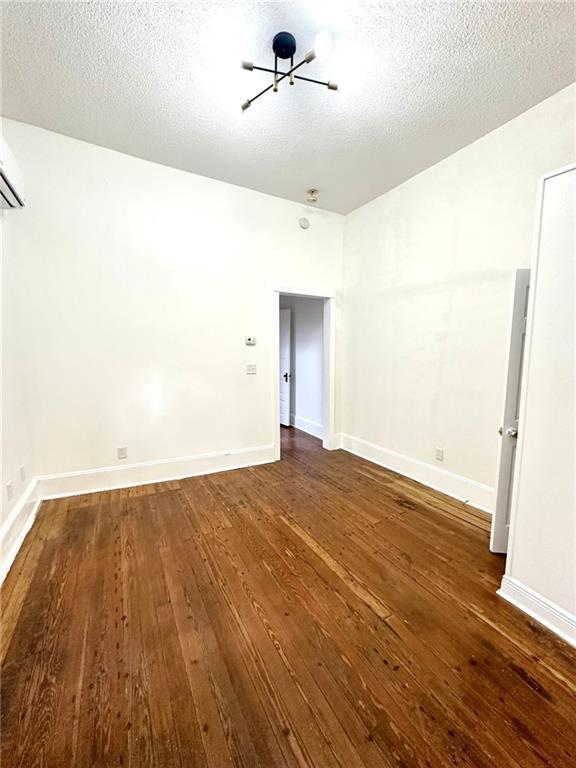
284,47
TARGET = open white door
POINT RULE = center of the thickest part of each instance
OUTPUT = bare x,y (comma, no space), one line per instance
509,428
285,373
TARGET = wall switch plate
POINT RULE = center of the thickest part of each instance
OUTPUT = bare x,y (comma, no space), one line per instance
250,341
250,370
439,454
122,452
9,489
22,472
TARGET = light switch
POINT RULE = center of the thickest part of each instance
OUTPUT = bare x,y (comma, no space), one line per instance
250,370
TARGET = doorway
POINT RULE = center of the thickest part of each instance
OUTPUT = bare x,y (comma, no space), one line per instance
304,382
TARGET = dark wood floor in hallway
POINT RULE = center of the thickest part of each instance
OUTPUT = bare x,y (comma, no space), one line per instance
320,611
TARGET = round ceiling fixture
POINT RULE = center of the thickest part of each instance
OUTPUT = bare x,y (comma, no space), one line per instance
312,195
284,45
304,223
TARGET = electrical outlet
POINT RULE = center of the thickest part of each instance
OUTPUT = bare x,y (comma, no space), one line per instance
122,452
439,454
250,370
9,489
22,472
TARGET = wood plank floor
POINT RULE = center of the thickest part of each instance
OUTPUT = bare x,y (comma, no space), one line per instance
320,611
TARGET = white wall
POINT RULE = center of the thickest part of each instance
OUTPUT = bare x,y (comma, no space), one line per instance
427,271
307,362
17,449
541,559
138,284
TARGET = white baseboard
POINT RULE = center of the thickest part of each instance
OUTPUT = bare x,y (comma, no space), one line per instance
22,516
557,619
313,428
127,475
17,525
461,488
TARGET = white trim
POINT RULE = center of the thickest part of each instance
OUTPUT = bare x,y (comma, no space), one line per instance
129,475
459,487
23,514
100,479
329,374
557,619
276,374
311,293
313,428
558,172
16,510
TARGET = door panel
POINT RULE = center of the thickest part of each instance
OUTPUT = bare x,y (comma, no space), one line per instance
509,428
285,372
543,524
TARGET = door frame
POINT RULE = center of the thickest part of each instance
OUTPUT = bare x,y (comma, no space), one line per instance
514,511
285,417
328,367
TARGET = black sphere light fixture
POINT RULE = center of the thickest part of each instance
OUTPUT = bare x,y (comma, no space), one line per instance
284,47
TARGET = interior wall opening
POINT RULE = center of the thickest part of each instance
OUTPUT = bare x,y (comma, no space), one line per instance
301,364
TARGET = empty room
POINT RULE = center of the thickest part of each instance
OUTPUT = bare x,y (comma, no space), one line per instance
288,384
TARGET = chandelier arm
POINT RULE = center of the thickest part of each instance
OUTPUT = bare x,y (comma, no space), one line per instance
310,80
285,74
275,74
260,94
266,69
279,80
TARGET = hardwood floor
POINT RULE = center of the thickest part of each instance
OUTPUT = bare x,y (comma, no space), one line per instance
320,611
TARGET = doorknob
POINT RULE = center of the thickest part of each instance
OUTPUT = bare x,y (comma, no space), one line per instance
285,377
512,432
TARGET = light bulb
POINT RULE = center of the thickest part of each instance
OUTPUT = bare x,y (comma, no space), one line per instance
323,46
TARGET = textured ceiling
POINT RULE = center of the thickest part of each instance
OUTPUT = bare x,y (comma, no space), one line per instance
418,80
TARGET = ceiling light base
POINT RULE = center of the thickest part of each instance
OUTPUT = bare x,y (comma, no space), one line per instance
284,45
